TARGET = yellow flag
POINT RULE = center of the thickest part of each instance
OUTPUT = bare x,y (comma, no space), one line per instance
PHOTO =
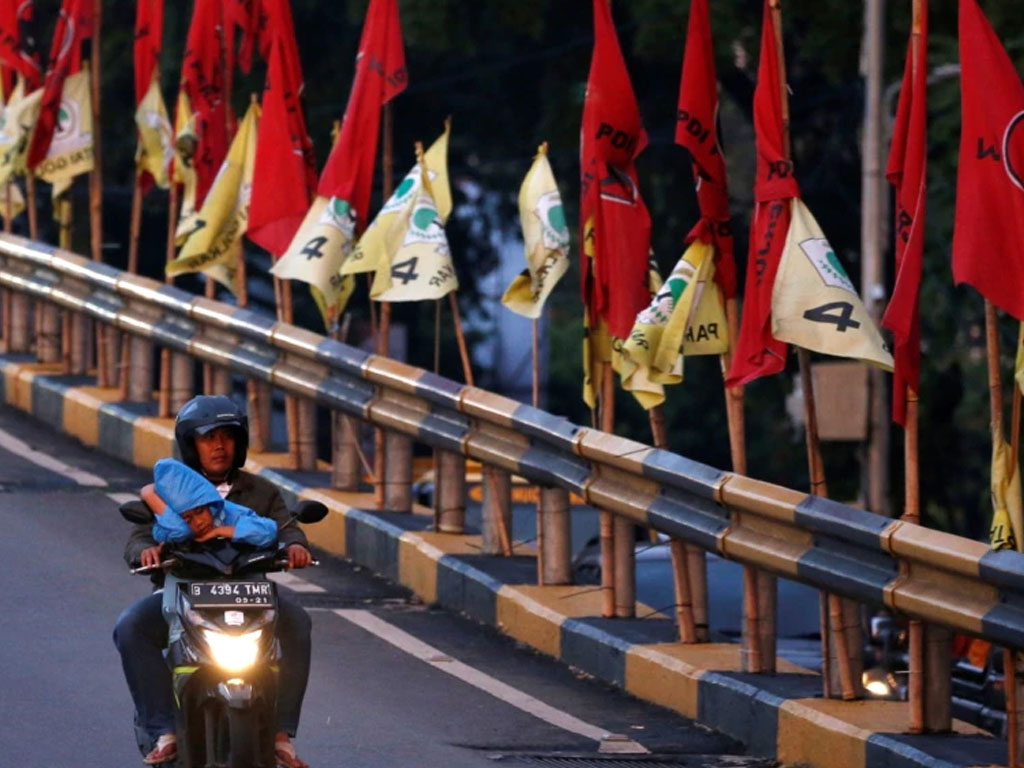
213,246
185,143
814,304
16,124
318,250
546,237
421,268
70,151
384,237
156,138
1007,518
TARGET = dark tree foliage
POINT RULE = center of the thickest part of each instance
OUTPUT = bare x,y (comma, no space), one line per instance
513,74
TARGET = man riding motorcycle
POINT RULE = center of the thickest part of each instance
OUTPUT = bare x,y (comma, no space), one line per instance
212,435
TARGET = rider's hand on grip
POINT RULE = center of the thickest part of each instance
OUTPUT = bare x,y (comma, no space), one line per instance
150,557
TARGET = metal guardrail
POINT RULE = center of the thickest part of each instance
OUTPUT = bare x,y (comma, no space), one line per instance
921,573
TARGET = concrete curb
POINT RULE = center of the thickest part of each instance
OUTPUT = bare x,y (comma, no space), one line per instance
777,716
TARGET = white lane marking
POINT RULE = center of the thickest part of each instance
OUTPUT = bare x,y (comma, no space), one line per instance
294,583
22,449
519,699
123,498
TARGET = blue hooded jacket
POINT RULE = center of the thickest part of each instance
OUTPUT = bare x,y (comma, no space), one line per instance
182,489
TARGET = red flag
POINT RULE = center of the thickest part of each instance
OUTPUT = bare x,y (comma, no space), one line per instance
245,16
614,281
73,27
203,81
906,172
285,175
380,76
149,32
988,247
758,353
15,58
696,129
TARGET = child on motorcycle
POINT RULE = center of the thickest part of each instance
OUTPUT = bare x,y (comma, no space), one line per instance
188,506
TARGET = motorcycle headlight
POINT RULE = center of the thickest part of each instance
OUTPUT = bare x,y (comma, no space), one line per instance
233,652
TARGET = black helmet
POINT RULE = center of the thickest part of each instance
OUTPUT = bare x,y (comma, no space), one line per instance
204,413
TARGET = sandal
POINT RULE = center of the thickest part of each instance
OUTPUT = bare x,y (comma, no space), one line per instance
165,751
284,752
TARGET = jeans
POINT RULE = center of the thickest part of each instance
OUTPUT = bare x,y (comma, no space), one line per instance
141,636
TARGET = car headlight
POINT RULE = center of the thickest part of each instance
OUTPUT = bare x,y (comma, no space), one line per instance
877,683
233,652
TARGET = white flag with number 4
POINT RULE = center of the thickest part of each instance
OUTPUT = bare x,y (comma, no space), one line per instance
814,304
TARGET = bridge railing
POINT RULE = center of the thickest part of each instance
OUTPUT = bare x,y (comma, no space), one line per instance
919,573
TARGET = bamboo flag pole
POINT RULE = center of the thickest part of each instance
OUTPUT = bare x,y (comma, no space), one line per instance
996,406
384,323
535,401
678,549
166,361
103,334
754,582
815,464
135,226
607,532
6,296
911,494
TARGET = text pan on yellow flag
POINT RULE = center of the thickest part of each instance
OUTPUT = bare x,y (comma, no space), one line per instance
546,237
70,151
16,124
317,251
384,236
814,304
156,137
213,246
185,142
685,317
1007,517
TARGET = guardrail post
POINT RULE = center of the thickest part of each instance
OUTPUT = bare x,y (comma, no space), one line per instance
496,516
450,493
260,409
305,440
48,349
938,680
216,380
555,537
139,374
346,471
625,568
183,371
80,346
20,308
398,475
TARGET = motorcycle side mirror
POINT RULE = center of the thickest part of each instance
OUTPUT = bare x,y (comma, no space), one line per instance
136,512
307,511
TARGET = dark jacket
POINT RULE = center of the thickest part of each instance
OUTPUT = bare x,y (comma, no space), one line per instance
249,490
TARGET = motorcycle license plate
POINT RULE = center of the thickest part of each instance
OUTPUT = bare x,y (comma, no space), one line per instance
231,594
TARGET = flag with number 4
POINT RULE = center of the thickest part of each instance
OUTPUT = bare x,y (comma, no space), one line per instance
814,304
386,248
320,245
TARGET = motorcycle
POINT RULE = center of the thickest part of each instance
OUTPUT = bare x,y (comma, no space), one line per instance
222,648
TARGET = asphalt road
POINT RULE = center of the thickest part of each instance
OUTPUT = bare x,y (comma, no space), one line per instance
372,701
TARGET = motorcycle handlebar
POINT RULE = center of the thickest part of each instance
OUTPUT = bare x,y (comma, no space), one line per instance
277,565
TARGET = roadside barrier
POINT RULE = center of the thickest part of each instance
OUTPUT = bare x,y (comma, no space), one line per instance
920,573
